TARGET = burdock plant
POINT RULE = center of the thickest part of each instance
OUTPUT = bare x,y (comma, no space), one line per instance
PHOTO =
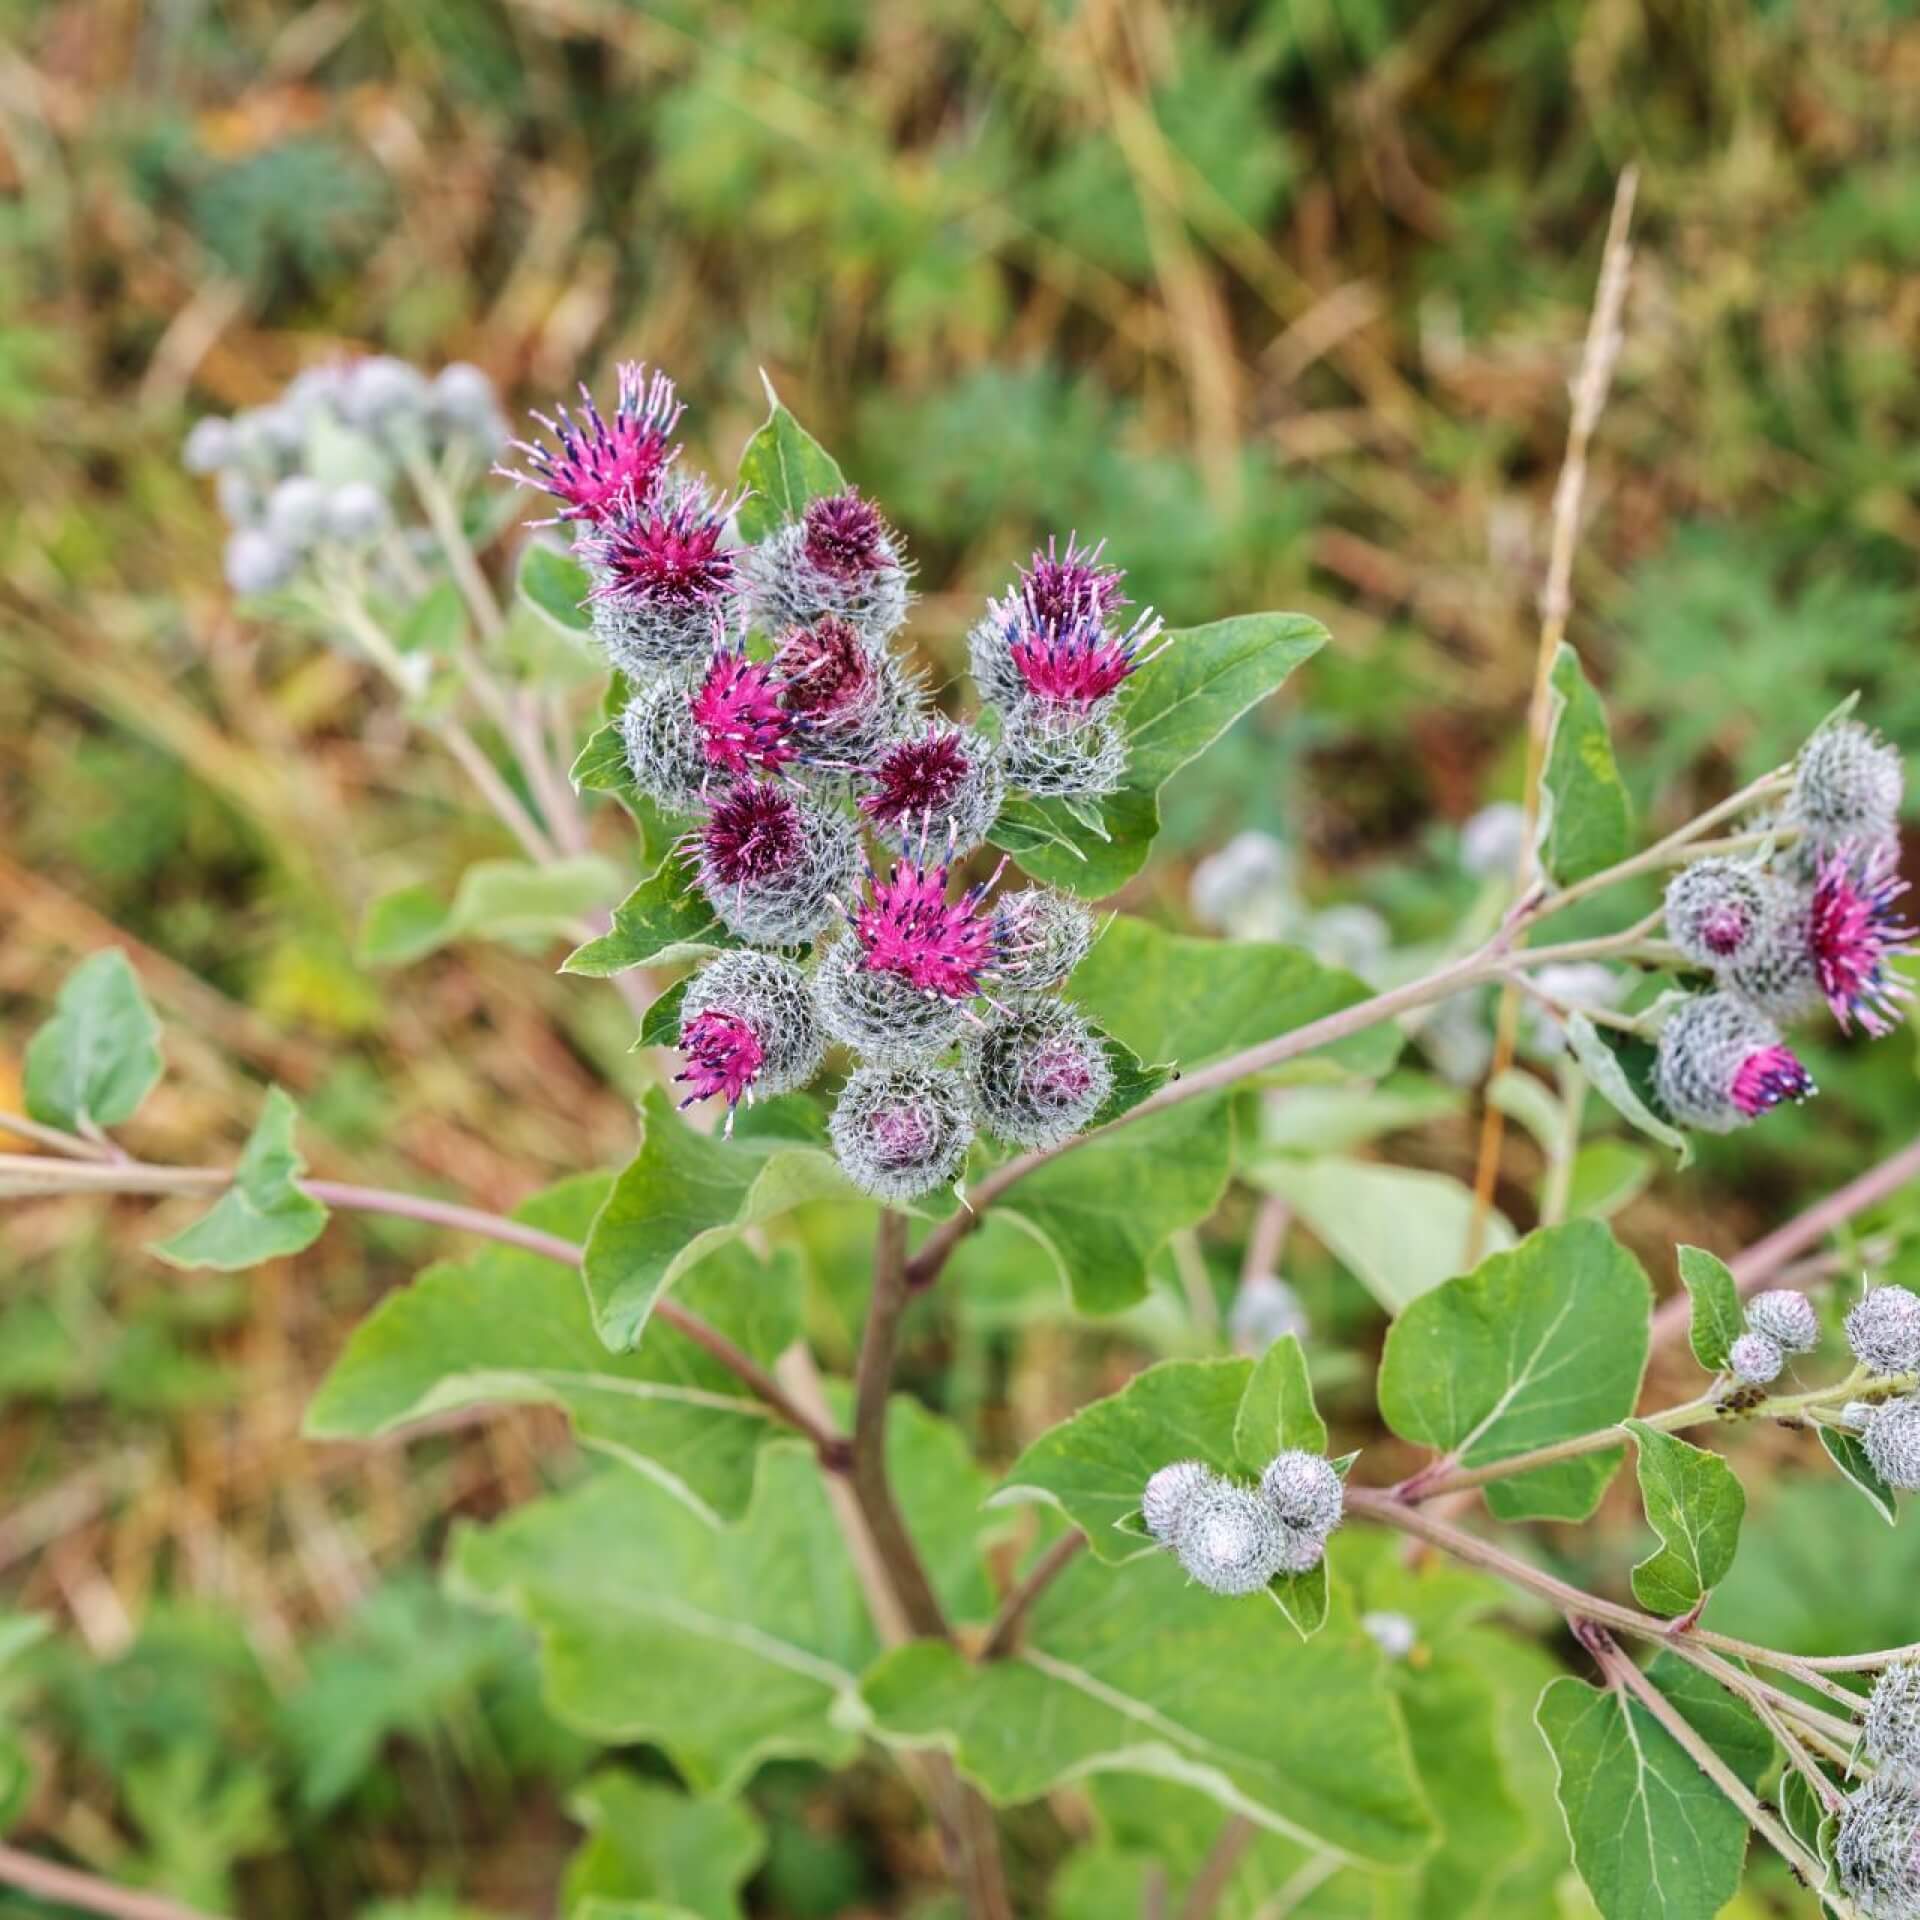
886,1003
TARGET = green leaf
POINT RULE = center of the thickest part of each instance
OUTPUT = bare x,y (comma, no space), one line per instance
646,1841
1586,818
1653,1838
435,624
1277,1411
1172,710
1531,1102
496,900
1139,1671
1304,1599
1619,1069
1849,1454
1695,1503
1133,1080
555,586
601,765
664,919
683,1194
784,467
1718,1317
726,1646
660,1025
1102,1223
264,1213
1607,1175
1533,1346
1094,1465
508,1326
1401,1230
98,1057
1190,1001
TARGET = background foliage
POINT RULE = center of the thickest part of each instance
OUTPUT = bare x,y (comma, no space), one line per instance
1280,298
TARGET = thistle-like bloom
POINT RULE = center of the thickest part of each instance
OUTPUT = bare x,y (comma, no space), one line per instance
1854,930
942,784
907,925
882,1015
1231,1541
1722,1063
1304,1491
1847,787
595,464
1061,751
1715,908
1892,1734
1884,1331
839,558
1039,938
1786,1317
1061,588
1081,663
737,714
900,1132
1167,1496
1039,1073
772,862
663,572
665,754
1754,1359
1892,1441
847,695
747,1028
1877,1852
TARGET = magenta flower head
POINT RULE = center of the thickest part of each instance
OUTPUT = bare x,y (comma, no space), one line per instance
662,569
747,1028
840,557
1722,1063
737,715
1061,588
907,925
1080,663
940,785
1855,930
595,463
773,861
846,696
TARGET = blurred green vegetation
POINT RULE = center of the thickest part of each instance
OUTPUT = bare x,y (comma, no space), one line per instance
1278,296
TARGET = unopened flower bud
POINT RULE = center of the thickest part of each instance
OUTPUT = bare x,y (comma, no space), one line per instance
839,558
256,562
1884,1331
208,446
463,398
1877,1851
902,1131
1715,908
297,512
1168,1496
1050,751
663,746
1775,971
1893,1443
1755,1360
357,513
1304,1491
1847,787
1786,1317
1039,938
1721,1063
1231,1541
1038,1072
1892,1735
383,393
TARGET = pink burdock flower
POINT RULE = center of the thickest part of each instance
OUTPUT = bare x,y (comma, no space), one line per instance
825,671
738,716
595,462
1766,1078
773,862
907,926
940,785
662,570
846,537
723,1056
1855,930
1061,588
1079,662
1722,1063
